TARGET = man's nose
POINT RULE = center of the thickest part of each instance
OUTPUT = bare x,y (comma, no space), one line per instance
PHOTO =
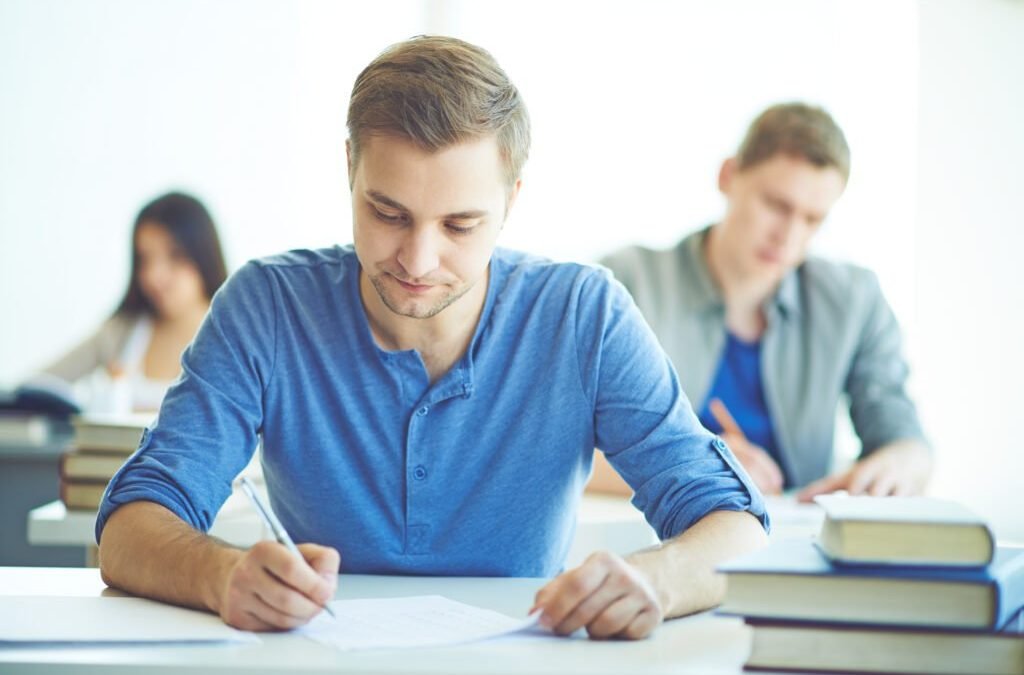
420,252
787,227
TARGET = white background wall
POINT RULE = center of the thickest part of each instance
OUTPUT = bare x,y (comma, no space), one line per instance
969,247
106,103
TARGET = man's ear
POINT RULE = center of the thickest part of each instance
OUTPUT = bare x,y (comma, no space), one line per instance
513,193
348,162
726,174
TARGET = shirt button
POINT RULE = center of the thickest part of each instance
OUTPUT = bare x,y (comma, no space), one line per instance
423,411
419,473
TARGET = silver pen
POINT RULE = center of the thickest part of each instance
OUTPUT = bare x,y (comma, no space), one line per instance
273,524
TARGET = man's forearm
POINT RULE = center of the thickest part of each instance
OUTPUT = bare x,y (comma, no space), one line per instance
146,550
682,570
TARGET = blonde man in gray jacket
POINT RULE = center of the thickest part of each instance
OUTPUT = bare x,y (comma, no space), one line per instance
768,341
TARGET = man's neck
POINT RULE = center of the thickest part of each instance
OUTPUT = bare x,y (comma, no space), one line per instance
744,295
441,340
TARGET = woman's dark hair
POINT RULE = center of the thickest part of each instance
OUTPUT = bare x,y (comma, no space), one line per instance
189,223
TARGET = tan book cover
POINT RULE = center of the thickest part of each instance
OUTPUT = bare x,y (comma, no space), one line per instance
904,531
84,496
867,649
110,433
78,465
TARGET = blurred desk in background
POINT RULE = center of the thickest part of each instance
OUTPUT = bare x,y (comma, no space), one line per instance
28,478
604,523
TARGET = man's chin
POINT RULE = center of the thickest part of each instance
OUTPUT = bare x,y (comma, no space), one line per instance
766,274
415,304
420,308
408,310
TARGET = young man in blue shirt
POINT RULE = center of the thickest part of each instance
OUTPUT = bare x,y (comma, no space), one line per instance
427,402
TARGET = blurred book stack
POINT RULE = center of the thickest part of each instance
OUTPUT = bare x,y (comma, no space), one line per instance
25,429
36,415
100,445
892,585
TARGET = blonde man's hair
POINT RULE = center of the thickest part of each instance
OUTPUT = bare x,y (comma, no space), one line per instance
437,92
798,130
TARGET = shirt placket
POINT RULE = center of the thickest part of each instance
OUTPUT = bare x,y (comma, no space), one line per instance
424,436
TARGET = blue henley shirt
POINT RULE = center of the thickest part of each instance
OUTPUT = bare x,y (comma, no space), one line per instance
477,474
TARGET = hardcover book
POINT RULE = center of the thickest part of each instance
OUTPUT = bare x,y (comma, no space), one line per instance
867,649
792,579
110,433
904,531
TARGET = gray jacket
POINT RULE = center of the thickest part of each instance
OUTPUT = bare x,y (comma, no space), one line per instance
100,349
829,332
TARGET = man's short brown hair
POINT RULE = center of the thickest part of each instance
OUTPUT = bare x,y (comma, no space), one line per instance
798,130
437,92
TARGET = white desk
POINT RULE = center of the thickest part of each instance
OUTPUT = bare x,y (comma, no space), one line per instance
700,644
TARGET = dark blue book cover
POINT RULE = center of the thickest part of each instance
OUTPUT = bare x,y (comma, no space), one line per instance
801,557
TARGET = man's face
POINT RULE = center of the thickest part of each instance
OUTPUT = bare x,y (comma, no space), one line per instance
774,208
425,224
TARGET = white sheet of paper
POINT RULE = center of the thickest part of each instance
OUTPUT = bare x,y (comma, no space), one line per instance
417,621
97,620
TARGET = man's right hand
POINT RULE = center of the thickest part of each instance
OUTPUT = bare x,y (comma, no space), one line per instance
759,464
267,588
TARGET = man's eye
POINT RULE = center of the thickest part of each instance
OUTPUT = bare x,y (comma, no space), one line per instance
388,217
458,229
777,205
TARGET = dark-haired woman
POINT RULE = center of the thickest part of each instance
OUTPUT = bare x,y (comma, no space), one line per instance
177,265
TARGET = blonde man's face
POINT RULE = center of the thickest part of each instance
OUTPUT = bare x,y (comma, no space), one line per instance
773,211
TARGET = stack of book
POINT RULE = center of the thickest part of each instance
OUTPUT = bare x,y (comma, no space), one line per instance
100,446
892,585
35,414
25,429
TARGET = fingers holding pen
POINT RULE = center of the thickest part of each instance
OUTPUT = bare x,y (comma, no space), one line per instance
759,464
325,561
271,589
730,427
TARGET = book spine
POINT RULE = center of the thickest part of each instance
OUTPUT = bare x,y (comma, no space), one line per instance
1008,589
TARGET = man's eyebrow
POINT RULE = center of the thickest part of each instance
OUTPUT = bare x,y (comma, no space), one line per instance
460,215
467,215
385,200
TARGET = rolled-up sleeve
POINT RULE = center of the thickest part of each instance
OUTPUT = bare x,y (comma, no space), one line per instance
644,423
207,428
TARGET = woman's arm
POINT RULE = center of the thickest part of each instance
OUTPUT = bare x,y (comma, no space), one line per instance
95,351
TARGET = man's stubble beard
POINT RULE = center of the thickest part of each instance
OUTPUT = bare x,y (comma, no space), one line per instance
443,303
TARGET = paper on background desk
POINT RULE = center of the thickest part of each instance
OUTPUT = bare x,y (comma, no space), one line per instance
100,620
417,621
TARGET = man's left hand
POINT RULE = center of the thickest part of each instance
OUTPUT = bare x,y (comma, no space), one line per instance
897,469
606,595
